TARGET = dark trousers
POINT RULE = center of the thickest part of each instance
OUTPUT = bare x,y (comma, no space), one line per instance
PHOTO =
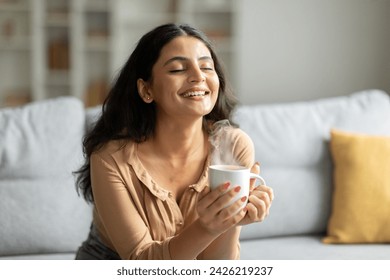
94,249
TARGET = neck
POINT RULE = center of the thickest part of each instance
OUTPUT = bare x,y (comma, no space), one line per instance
179,141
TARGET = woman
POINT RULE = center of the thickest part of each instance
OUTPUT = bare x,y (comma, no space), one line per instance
147,157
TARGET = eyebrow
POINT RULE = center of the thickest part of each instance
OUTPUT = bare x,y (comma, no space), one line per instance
182,58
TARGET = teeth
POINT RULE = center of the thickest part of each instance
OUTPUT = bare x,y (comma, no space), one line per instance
194,93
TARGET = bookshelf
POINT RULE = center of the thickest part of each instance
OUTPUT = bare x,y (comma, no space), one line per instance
51,48
92,49
15,51
217,19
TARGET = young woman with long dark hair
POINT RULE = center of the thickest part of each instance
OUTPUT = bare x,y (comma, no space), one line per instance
148,154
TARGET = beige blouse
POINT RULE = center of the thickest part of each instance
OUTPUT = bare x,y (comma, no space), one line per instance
136,217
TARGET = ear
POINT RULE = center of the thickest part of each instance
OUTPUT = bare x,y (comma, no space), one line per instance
143,90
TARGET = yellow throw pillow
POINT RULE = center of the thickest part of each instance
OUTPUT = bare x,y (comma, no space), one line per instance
361,195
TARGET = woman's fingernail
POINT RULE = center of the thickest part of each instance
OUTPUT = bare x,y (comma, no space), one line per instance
226,186
237,189
243,199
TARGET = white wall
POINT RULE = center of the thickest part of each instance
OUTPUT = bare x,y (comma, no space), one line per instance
291,50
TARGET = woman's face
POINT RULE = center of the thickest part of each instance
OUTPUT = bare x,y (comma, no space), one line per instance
184,82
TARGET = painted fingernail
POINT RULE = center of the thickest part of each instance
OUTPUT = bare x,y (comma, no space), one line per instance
237,189
226,186
243,199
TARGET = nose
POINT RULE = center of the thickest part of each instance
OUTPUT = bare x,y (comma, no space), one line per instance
196,75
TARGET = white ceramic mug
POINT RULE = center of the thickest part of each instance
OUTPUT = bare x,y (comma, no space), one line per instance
236,175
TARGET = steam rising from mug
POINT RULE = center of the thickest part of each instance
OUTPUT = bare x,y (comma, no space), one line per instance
222,144
224,166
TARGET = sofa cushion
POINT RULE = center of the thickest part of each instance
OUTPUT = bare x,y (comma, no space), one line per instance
57,256
291,143
32,135
310,247
41,216
92,114
40,147
361,197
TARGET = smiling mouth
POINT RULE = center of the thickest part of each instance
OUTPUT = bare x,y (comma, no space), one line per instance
195,93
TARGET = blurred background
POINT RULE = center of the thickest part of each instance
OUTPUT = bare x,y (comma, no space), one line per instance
273,50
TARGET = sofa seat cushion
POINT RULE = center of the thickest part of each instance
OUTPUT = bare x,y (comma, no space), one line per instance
292,145
40,147
60,256
310,247
41,216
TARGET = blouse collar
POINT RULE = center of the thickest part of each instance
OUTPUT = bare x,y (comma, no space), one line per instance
143,175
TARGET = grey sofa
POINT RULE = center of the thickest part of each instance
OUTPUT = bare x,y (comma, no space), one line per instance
41,216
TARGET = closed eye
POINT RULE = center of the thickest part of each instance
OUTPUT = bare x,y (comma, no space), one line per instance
176,70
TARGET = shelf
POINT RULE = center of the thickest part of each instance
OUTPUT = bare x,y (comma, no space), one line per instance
15,44
17,7
97,45
58,78
96,6
75,47
212,9
150,18
57,20
142,7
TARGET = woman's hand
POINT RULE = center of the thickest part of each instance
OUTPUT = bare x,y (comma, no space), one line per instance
214,215
259,201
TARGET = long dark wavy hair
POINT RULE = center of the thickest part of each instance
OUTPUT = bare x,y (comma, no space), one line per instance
126,116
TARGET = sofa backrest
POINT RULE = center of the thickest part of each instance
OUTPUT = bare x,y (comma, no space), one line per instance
41,213
40,147
291,142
